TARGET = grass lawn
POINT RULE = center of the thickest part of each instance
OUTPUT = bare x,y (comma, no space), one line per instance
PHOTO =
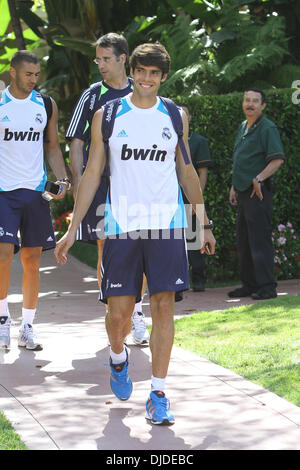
9,439
260,342
85,252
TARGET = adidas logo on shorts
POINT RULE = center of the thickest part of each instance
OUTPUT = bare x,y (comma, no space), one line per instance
179,281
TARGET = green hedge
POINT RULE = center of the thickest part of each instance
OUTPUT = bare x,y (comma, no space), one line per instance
217,118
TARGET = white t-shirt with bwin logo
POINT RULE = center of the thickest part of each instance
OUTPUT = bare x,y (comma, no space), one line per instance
144,192
22,122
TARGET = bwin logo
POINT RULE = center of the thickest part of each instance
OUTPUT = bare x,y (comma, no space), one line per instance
21,135
143,154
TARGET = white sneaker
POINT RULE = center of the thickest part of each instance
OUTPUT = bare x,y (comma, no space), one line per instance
5,333
140,334
27,339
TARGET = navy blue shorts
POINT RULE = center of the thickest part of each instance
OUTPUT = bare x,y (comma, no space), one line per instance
162,259
91,228
27,211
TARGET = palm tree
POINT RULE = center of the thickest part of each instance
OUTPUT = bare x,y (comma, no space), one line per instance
15,20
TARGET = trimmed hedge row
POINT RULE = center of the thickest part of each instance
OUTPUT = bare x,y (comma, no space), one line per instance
218,118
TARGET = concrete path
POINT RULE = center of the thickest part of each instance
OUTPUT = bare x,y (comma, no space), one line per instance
60,399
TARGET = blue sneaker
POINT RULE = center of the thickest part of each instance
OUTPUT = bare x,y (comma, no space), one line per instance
120,382
157,409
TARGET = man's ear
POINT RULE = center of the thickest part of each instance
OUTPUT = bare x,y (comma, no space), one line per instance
12,72
123,58
163,77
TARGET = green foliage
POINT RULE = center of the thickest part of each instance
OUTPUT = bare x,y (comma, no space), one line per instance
287,248
61,206
217,118
284,76
9,439
219,50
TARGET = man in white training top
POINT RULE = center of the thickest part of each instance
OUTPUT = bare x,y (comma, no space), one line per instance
145,232
23,125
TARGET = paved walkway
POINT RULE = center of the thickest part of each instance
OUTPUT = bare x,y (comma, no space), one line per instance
59,398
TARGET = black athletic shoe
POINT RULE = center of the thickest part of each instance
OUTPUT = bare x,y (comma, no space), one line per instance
178,296
264,294
240,292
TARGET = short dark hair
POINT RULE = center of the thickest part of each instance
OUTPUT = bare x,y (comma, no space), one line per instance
151,54
257,90
23,56
116,41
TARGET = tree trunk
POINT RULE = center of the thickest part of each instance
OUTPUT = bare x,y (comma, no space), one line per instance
16,25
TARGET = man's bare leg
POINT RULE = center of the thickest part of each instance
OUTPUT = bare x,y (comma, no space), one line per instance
161,342
162,334
118,322
30,258
6,256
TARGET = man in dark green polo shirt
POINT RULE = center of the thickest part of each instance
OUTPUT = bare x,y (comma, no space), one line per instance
257,155
201,160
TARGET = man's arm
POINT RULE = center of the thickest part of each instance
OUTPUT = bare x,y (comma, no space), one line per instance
53,152
190,184
270,169
202,173
88,186
76,163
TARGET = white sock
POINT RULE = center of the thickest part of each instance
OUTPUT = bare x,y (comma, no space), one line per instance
118,358
28,315
138,307
4,312
157,384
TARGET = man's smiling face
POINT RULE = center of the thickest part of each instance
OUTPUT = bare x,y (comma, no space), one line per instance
147,79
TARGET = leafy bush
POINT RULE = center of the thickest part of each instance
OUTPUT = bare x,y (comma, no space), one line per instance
286,246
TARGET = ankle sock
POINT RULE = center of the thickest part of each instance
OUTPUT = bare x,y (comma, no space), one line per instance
4,312
28,315
118,358
157,384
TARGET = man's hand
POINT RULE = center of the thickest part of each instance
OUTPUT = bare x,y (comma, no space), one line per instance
256,189
63,246
232,197
209,243
62,192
